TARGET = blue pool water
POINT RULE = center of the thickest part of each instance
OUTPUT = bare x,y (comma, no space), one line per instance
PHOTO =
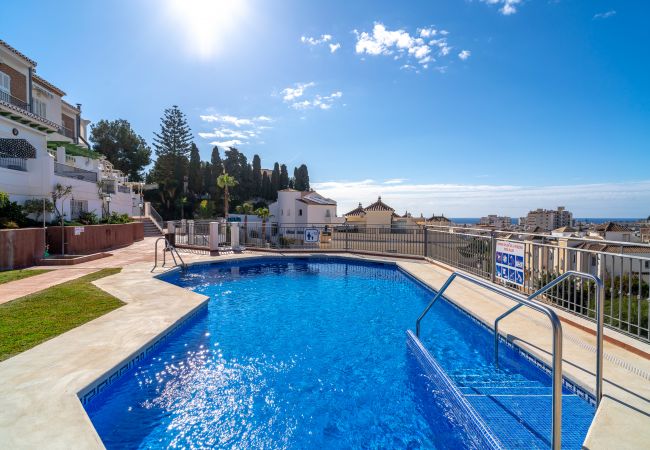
309,353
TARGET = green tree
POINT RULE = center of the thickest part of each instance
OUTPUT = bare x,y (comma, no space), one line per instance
301,178
226,182
216,170
264,214
257,175
246,209
266,187
36,207
275,181
195,182
122,146
284,177
173,146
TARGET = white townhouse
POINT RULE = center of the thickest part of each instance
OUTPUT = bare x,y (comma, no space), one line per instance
44,142
303,207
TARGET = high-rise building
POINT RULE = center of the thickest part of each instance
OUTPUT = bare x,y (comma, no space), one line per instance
548,219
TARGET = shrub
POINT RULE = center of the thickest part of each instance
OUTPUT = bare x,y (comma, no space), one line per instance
11,214
116,218
88,218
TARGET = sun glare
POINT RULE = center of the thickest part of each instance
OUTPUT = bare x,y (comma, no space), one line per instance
206,24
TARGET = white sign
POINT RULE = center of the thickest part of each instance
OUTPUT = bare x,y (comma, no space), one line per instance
312,235
78,230
510,262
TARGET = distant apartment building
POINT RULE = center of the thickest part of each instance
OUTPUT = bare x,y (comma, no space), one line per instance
43,142
498,222
548,219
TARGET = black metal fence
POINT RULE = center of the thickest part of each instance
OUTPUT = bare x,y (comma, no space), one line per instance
65,170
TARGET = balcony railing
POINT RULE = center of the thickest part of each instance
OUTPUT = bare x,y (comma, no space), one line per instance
8,98
74,172
123,188
13,163
67,132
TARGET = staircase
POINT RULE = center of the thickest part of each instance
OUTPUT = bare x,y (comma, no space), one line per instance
150,228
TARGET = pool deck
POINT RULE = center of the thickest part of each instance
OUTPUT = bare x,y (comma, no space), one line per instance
39,406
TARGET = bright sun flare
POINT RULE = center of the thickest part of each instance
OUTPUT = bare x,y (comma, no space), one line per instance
205,24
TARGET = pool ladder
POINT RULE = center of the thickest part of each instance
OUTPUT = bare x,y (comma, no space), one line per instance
172,251
556,419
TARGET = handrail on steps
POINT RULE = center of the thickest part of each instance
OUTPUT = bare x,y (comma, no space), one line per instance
556,417
172,251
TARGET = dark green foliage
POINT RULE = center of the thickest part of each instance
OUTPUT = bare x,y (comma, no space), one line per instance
275,180
123,148
12,215
257,174
301,178
173,146
195,180
88,218
284,177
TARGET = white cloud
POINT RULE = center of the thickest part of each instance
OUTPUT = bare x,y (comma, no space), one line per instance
605,15
292,93
420,48
292,96
507,7
464,54
323,39
466,200
246,130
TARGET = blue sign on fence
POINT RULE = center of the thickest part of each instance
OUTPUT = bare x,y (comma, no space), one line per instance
509,260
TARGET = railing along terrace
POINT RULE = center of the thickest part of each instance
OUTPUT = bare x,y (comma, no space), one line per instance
192,233
8,98
624,268
13,163
65,170
67,132
123,188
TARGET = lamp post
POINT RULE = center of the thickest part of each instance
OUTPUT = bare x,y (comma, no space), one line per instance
108,204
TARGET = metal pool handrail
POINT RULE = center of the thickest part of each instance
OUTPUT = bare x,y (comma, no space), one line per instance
168,247
556,417
599,322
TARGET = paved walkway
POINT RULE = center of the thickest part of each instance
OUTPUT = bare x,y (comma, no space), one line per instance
139,252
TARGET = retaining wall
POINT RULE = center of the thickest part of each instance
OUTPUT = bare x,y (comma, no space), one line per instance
21,248
94,238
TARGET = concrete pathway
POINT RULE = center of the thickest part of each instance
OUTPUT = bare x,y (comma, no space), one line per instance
141,251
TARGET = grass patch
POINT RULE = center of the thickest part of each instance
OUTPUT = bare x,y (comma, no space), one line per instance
13,275
35,318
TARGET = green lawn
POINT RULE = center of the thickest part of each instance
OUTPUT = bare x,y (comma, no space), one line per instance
13,275
35,318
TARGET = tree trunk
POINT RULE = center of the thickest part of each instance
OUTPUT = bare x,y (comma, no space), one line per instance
225,202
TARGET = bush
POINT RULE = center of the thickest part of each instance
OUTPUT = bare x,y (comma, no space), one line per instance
12,215
88,218
116,218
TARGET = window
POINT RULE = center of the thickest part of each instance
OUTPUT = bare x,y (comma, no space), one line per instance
77,207
300,212
39,108
288,212
5,85
328,213
647,264
282,212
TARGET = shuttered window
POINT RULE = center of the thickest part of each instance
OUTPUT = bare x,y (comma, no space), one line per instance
5,83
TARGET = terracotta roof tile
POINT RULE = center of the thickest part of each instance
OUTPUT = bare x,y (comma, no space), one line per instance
17,53
358,211
379,206
46,84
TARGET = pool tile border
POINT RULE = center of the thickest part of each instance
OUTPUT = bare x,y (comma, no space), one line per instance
86,394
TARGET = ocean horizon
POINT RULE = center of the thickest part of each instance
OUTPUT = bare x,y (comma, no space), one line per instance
596,220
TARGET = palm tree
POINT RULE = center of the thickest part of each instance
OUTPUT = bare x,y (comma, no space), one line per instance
225,182
264,214
245,209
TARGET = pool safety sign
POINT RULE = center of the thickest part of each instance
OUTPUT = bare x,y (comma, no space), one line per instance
510,262
312,235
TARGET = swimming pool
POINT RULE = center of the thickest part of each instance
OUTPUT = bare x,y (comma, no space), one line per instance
311,352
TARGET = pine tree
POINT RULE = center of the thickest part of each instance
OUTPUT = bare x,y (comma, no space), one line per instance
284,177
301,178
207,177
266,187
257,175
275,180
195,182
172,147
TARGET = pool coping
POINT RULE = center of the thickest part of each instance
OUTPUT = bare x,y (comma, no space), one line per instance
43,389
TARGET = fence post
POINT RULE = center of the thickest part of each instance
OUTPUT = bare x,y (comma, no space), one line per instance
213,242
426,242
171,232
346,236
493,252
234,235
190,232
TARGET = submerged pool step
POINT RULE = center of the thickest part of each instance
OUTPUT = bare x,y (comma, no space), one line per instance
515,409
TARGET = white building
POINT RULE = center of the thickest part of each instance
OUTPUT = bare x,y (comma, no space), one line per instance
303,207
498,222
43,142
548,219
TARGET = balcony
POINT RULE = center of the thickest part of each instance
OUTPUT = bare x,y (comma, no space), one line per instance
67,132
13,163
124,189
8,98
74,172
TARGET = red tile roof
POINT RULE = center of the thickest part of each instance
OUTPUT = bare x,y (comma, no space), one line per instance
378,206
17,53
614,227
358,211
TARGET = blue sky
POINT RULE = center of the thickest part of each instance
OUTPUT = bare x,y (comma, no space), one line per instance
461,107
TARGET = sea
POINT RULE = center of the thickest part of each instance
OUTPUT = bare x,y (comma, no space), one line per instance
595,220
